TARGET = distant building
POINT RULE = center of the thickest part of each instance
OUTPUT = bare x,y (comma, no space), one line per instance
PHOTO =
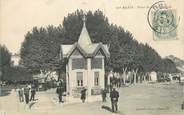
15,58
85,66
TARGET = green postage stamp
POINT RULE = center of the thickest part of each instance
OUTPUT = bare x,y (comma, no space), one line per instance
163,21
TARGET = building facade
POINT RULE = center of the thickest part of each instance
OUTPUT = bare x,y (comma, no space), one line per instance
85,66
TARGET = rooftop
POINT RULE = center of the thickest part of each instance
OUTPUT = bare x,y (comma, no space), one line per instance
85,46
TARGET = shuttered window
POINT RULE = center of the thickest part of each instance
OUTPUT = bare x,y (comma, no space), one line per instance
79,63
96,63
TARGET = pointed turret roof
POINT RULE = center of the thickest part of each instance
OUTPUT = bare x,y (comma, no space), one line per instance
84,38
84,45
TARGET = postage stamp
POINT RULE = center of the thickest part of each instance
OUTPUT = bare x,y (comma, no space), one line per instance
163,21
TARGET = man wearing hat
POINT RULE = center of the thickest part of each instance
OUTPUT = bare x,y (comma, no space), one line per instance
26,93
60,91
114,95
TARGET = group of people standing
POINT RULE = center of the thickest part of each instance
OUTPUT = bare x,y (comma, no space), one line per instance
60,91
114,96
115,79
28,93
24,93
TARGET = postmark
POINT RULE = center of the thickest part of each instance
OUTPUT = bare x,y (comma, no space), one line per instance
163,20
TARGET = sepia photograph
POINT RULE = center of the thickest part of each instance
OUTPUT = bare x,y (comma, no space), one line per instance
91,57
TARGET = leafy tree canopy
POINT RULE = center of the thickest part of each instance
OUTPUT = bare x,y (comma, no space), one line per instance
40,49
5,60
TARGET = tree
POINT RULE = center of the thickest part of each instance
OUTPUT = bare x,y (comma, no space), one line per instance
17,74
168,66
41,47
5,61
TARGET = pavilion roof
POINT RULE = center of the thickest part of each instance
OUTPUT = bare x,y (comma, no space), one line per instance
88,51
85,46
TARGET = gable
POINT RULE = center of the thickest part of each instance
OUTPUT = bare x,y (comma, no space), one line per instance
76,53
99,53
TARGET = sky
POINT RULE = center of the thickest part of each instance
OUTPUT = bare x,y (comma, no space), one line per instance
17,17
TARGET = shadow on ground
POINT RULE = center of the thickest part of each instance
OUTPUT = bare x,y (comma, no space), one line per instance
106,108
31,104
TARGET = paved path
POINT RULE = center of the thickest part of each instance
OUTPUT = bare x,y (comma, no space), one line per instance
142,99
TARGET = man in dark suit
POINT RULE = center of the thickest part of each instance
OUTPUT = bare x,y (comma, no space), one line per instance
33,92
26,93
83,94
59,91
104,94
114,95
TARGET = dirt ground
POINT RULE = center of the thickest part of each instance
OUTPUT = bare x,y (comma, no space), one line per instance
139,99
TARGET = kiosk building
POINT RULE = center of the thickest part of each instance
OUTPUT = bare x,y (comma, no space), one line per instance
85,66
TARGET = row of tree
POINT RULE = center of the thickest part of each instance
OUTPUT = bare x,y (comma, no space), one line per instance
5,60
41,47
8,72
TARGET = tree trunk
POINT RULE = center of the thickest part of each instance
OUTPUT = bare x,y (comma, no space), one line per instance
144,77
135,75
124,75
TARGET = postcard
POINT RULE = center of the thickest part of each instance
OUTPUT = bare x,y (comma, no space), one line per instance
86,57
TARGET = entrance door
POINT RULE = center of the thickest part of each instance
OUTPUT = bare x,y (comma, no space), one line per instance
79,76
96,78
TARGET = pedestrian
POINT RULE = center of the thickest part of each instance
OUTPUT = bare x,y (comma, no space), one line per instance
26,93
83,94
104,95
114,95
33,92
59,91
21,94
